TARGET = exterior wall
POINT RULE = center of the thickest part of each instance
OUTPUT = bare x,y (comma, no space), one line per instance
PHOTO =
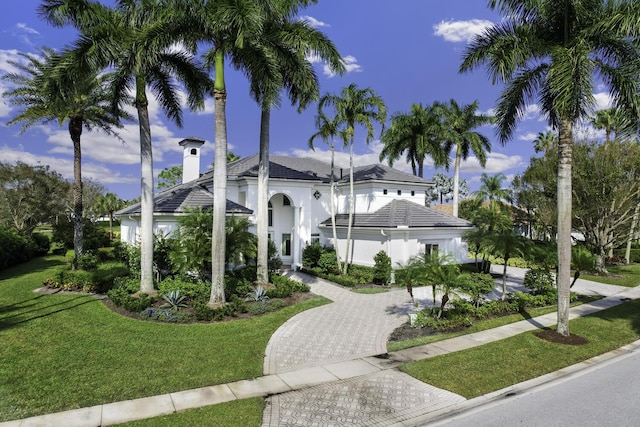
369,196
401,245
130,227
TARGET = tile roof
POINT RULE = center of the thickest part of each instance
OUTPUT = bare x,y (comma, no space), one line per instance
400,213
181,197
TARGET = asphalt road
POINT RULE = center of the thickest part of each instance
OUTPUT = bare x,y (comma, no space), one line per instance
604,395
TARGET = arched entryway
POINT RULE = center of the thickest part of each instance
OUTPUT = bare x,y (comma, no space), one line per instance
281,226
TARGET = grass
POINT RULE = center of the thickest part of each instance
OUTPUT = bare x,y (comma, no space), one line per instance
369,291
238,413
621,275
63,352
480,325
493,366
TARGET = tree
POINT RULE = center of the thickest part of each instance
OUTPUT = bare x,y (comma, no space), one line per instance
507,243
84,103
545,141
279,61
606,192
491,190
30,195
612,121
137,39
169,177
330,129
417,134
354,106
458,133
555,49
443,190
107,205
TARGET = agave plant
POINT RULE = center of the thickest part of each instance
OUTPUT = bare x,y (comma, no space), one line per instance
260,294
174,301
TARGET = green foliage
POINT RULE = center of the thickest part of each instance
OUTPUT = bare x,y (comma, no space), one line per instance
190,289
99,280
275,262
41,244
87,261
329,263
120,297
174,301
476,285
285,287
93,236
169,177
382,269
311,255
265,306
260,294
540,281
165,315
14,248
581,259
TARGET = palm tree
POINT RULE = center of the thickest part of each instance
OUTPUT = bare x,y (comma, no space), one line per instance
507,244
226,25
416,133
280,62
555,49
84,103
459,122
545,141
108,204
137,39
492,191
612,121
353,107
330,129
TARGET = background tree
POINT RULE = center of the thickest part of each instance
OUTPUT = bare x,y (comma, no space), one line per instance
330,129
458,134
554,49
30,195
545,141
415,134
45,94
107,205
491,190
443,190
354,106
169,177
137,40
606,192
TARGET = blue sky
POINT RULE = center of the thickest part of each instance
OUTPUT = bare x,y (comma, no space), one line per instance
407,51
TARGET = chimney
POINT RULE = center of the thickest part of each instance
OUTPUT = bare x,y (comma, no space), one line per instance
191,158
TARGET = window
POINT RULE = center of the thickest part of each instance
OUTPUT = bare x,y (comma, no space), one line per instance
286,244
384,191
194,151
315,238
270,215
399,192
431,248
413,193
286,201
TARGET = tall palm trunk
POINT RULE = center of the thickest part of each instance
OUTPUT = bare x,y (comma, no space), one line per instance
634,224
565,148
456,180
263,198
75,130
146,190
218,238
351,209
333,208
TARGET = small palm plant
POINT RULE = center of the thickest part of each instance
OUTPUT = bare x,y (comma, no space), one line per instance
174,301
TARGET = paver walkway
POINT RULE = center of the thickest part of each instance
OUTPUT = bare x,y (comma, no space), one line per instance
355,326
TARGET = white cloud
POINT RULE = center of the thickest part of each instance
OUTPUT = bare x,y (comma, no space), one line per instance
496,162
350,63
603,100
460,31
313,21
24,27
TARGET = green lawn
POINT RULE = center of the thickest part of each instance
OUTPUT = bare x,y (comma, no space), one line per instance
238,413
63,352
621,275
493,366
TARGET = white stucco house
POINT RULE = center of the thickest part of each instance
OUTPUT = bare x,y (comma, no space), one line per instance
390,213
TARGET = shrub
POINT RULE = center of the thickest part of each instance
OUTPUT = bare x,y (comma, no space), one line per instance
311,255
539,281
134,304
88,261
189,289
165,315
14,248
382,269
41,244
93,236
129,284
285,287
361,273
476,285
329,263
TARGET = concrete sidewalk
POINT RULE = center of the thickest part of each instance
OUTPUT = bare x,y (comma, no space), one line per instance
352,382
